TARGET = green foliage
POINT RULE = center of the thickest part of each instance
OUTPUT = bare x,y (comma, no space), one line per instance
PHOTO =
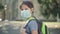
1,6
49,7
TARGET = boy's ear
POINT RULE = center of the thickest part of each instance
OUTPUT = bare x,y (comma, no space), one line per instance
32,9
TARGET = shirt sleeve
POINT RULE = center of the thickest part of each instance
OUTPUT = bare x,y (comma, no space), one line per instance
33,25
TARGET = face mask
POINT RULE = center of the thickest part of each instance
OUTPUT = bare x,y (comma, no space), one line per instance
25,13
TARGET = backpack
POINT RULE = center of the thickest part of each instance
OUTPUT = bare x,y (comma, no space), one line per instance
39,25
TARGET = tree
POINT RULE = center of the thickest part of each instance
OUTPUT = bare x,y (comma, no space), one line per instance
49,7
1,6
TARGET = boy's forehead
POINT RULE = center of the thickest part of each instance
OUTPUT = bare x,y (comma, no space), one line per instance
24,6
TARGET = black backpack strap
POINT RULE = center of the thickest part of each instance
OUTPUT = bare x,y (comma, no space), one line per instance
39,26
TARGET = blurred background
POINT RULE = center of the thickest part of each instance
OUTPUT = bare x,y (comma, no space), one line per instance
46,10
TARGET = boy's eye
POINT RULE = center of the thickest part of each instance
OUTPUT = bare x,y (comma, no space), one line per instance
21,9
26,9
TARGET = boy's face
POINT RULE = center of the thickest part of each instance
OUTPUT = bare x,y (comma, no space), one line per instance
25,7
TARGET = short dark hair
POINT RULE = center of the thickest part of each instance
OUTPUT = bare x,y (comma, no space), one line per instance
28,3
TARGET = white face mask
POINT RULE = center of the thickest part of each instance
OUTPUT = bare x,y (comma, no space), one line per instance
25,13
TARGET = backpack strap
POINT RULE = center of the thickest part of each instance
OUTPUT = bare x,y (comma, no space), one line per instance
27,22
